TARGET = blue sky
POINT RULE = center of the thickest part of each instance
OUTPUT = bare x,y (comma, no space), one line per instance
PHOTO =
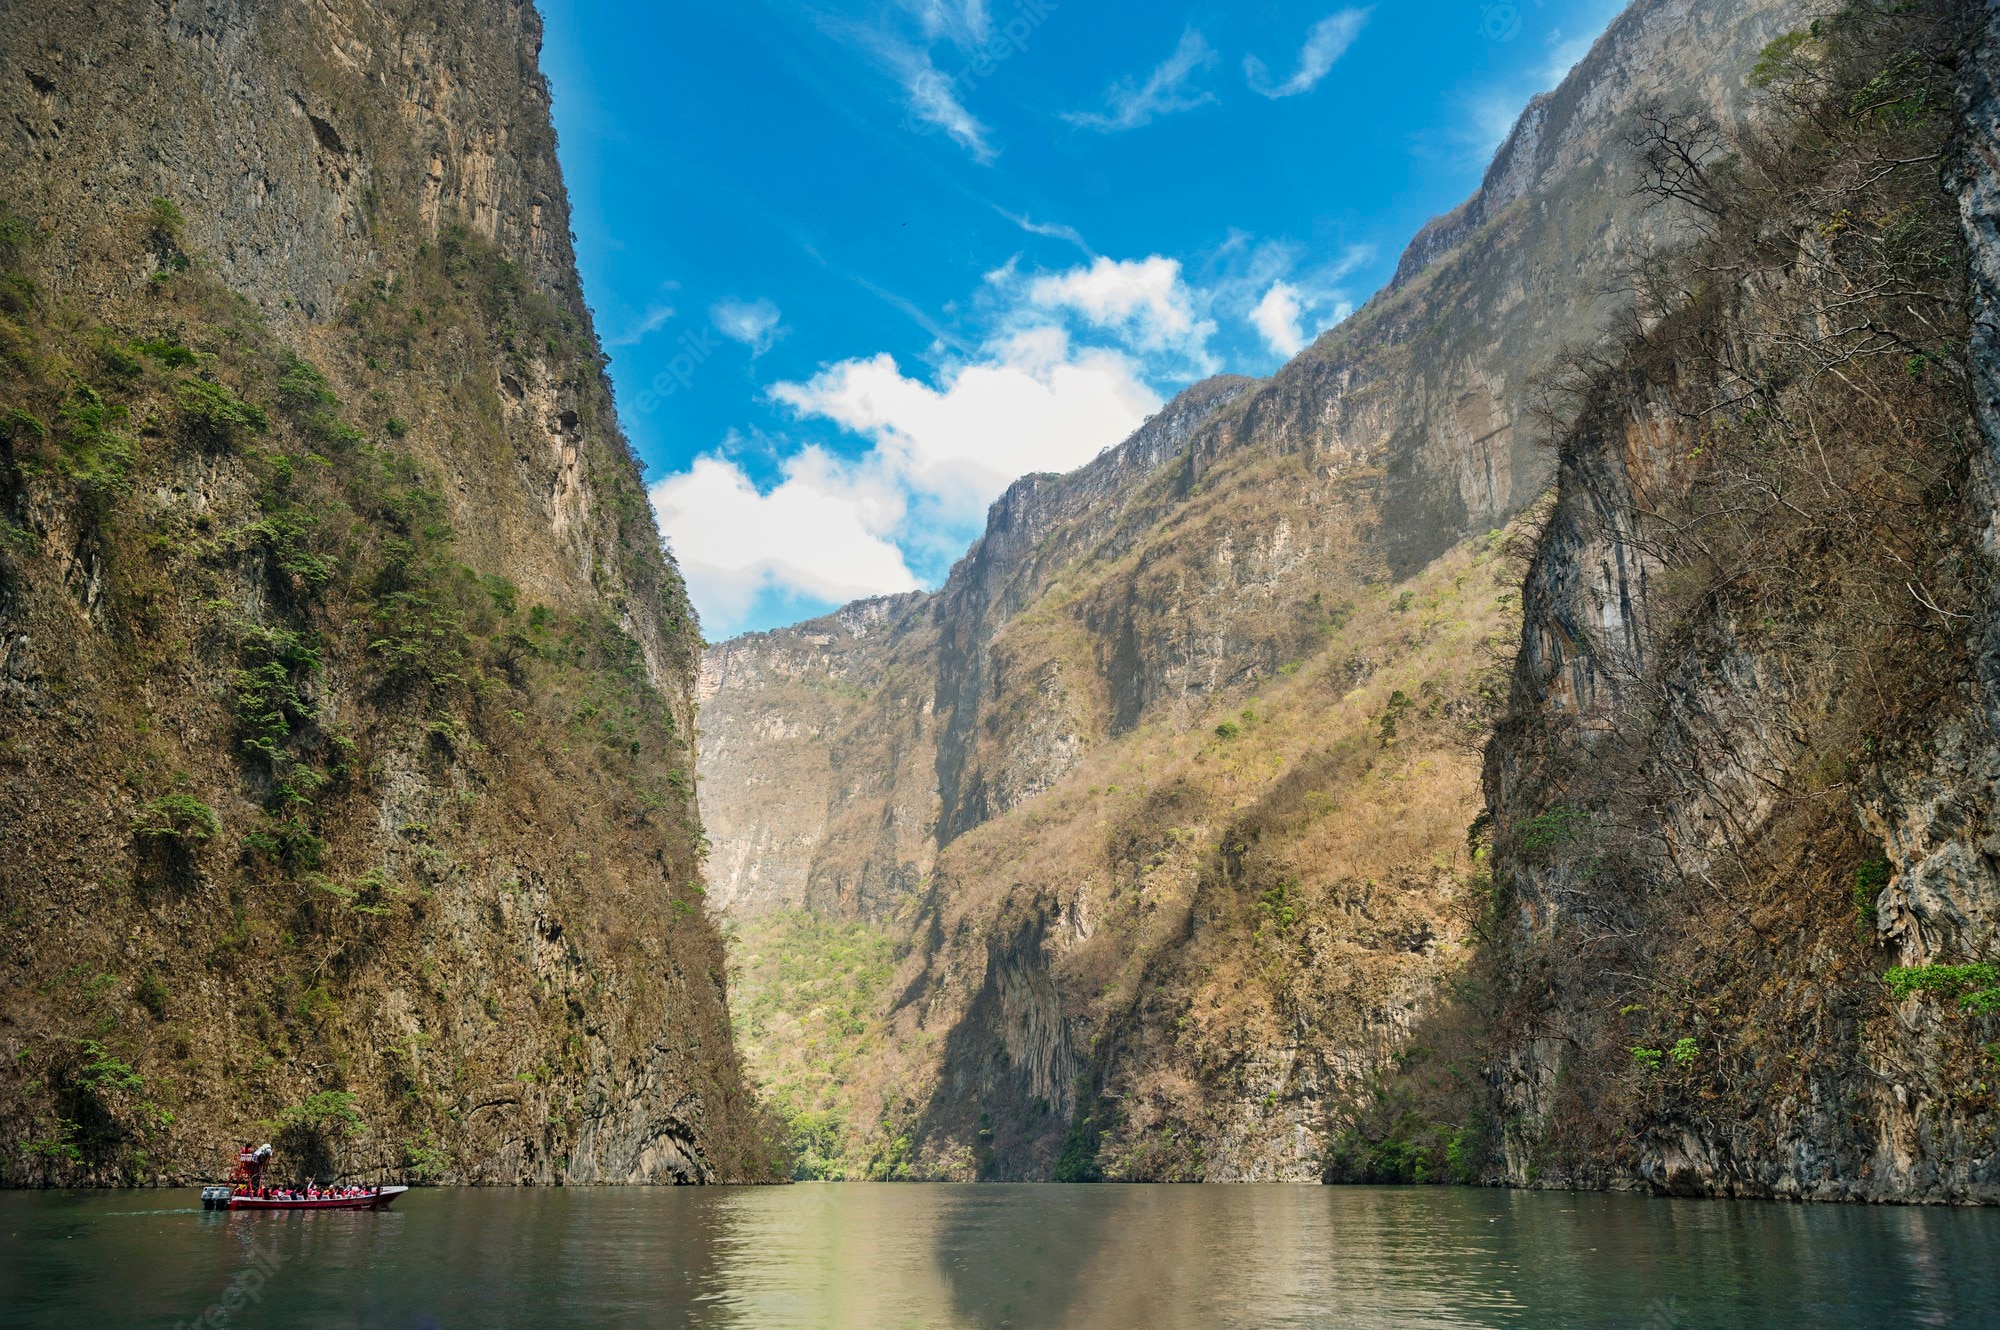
860,263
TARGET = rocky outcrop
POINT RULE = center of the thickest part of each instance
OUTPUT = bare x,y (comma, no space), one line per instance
1041,527
1586,124
1074,682
347,705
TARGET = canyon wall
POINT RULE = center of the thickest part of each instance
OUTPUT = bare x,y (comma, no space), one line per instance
346,696
1161,799
1744,890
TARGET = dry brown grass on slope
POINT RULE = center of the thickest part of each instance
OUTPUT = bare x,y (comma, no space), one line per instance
1232,912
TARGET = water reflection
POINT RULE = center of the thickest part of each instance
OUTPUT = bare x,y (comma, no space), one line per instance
981,1258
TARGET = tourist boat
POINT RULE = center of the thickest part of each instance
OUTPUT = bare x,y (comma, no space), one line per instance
236,1198
246,1190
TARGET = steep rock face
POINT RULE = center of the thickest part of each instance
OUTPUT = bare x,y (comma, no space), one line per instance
1750,768
346,732
1434,380
1040,528
819,751
1979,214
1101,795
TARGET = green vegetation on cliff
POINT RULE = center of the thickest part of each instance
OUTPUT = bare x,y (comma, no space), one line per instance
345,689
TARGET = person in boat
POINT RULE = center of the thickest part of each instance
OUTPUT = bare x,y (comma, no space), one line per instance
248,1175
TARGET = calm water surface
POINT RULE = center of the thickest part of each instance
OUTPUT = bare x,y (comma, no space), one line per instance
974,1257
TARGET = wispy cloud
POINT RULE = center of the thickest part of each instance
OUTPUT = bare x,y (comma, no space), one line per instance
1050,230
934,103
655,318
1130,102
902,49
966,23
910,38
1325,44
755,323
911,310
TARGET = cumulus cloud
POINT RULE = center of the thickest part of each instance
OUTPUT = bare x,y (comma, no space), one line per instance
751,322
1130,102
821,531
1325,44
1144,302
1033,402
939,451
1285,317
1276,319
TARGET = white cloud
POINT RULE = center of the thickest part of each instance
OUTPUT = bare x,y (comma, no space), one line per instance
1289,296
1143,301
821,531
1276,319
965,22
1325,44
938,453
751,322
1131,103
1033,402
1064,371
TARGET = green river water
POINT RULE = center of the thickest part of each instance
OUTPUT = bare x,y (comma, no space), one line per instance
869,1256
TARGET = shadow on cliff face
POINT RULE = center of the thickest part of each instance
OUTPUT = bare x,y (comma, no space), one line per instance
1010,1070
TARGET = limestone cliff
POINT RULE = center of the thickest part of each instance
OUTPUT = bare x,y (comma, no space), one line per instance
1745,892
1162,796
824,731
346,697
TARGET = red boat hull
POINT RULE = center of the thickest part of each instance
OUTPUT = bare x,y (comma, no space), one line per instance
380,1200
